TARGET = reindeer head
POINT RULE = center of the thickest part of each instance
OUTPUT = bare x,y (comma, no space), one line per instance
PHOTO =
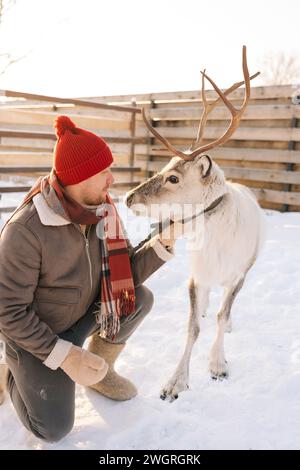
199,181
191,177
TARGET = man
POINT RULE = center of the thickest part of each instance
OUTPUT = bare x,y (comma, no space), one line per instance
61,283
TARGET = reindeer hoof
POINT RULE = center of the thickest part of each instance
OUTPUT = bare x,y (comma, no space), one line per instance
172,390
222,376
168,396
164,396
218,370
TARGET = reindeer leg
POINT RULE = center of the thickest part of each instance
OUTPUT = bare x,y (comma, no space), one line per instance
217,363
180,380
228,328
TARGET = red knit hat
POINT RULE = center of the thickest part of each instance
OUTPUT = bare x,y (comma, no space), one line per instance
78,154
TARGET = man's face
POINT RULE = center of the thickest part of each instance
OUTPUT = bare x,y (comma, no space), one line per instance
96,187
93,190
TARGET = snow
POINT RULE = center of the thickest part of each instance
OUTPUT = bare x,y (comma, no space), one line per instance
257,407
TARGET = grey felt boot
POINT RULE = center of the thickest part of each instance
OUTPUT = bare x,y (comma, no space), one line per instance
113,385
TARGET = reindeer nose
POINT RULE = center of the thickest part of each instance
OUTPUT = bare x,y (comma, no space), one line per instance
129,199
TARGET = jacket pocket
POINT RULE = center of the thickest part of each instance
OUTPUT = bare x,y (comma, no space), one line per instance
57,306
58,295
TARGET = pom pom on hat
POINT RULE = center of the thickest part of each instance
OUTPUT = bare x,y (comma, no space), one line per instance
63,124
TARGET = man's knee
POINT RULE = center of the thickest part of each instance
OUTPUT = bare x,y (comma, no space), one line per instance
56,431
144,299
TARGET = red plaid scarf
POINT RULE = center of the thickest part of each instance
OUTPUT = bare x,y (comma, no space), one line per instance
117,287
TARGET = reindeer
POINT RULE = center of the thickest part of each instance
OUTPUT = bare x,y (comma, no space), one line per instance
233,222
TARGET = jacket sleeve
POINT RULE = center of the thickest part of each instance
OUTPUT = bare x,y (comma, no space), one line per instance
20,262
147,257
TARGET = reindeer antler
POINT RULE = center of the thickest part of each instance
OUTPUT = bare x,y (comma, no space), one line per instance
208,107
161,138
236,115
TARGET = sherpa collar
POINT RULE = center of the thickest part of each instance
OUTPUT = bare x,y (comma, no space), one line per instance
46,214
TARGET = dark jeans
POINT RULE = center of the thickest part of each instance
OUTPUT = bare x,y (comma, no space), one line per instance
44,399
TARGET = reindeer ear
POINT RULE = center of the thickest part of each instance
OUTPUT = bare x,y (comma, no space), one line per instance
204,164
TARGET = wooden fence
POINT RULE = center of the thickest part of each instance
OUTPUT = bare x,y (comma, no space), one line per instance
264,153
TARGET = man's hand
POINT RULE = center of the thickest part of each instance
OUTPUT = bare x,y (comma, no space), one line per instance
84,367
171,233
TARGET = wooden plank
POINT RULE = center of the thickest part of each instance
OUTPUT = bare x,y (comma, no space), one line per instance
242,133
165,111
66,109
19,160
133,169
261,184
27,134
54,99
30,144
21,189
291,177
281,197
244,154
21,117
293,208
197,103
7,209
246,164
27,148
14,189
46,169
35,159
257,92
24,169
256,155
221,113
121,184
24,154
271,205
51,136
274,176
157,165
33,147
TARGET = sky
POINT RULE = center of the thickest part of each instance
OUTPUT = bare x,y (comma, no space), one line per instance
94,48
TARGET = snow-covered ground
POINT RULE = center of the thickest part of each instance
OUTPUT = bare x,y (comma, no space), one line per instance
257,407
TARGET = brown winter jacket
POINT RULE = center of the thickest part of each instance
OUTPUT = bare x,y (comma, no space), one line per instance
50,275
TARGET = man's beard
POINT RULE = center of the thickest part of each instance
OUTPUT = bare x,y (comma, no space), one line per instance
88,203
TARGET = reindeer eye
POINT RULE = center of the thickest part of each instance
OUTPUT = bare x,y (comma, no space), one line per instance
173,179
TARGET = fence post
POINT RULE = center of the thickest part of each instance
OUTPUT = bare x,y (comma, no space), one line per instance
151,139
132,135
290,166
